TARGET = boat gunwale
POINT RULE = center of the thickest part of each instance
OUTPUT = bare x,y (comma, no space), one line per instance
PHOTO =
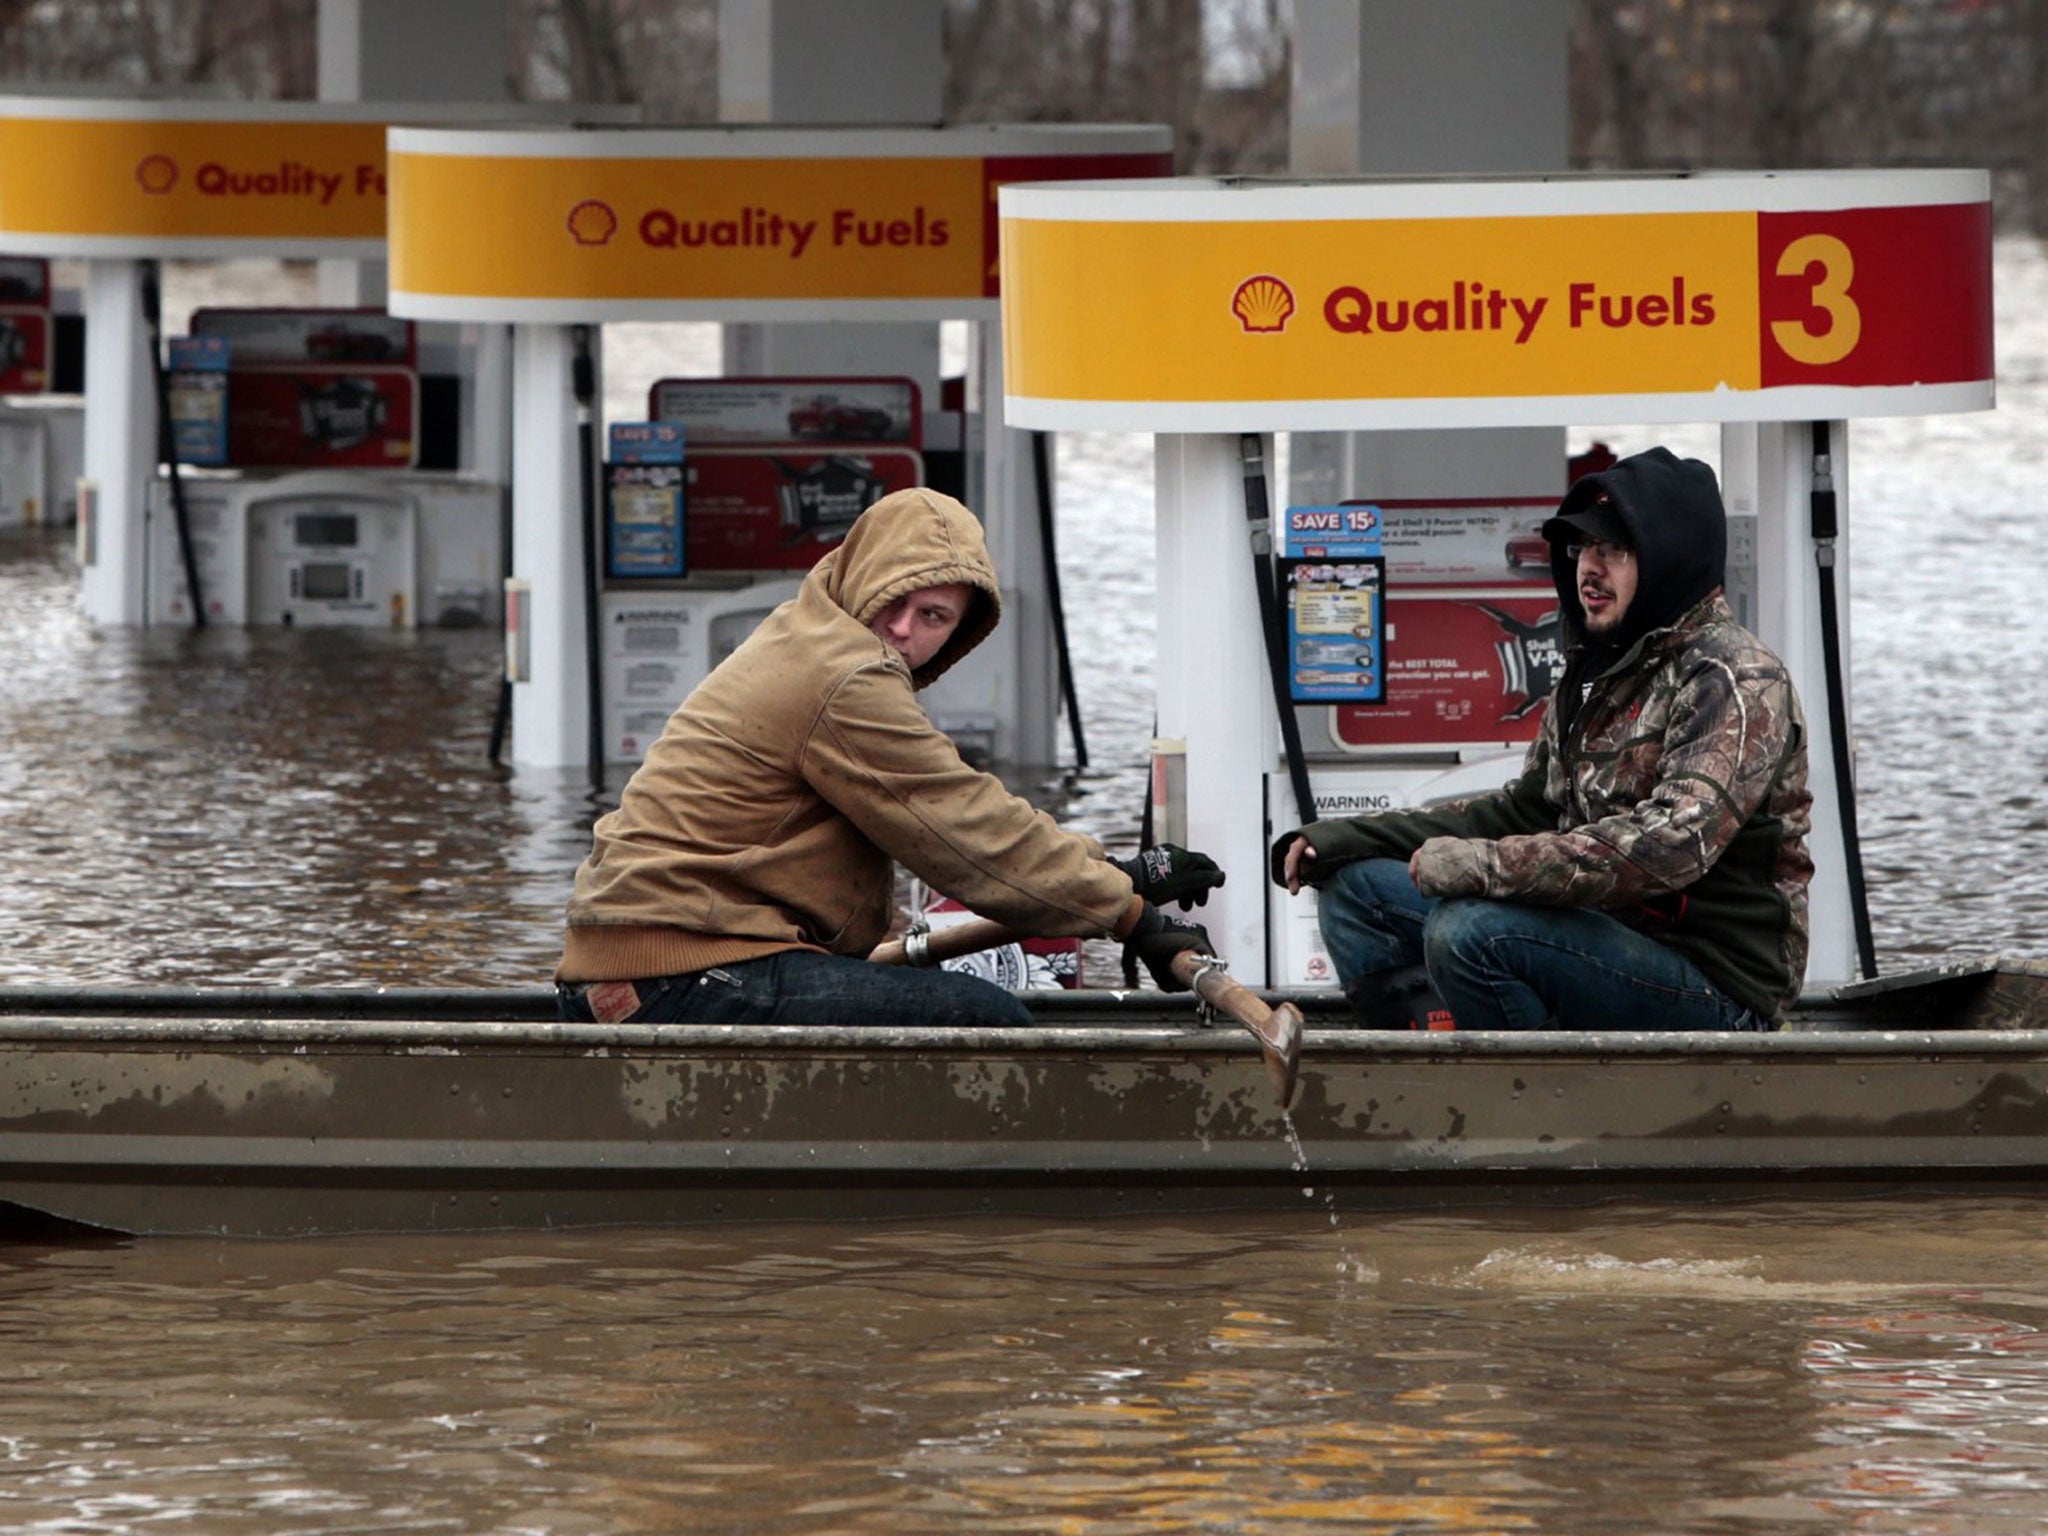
76,1032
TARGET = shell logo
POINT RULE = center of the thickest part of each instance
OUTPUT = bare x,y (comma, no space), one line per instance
156,173
1262,303
592,222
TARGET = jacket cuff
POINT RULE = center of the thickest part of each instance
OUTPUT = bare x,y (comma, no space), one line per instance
1129,920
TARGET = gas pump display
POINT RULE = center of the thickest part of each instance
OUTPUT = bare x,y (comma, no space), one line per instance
1472,628
1334,578
644,500
198,384
337,561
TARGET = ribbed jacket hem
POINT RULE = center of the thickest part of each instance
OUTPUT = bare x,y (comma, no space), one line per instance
624,952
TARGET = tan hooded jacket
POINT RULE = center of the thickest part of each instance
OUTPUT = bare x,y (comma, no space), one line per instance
767,815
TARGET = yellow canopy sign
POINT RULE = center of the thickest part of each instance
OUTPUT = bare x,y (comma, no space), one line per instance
150,178
1192,306
721,223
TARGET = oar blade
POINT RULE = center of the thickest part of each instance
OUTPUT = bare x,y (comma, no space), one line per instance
1279,1036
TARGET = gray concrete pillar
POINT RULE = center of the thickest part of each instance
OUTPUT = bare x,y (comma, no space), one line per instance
870,63
1428,87
402,50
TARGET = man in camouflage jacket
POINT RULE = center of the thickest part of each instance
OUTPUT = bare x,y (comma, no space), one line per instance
1648,870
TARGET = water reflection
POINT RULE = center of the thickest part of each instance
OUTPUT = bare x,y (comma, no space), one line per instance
262,805
1633,1369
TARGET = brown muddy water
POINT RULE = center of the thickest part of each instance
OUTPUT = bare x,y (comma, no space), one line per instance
315,808
1875,1367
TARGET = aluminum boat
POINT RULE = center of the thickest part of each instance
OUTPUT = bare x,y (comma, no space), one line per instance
266,1112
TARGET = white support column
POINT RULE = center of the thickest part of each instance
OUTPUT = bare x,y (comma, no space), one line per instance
1432,87
1214,688
487,410
551,711
120,440
1769,467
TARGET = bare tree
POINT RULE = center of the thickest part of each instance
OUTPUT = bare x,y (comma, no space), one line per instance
1654,83
661,55
261,49
1794,83
2036,124
1127,61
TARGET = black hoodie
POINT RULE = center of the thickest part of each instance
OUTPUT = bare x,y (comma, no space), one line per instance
1672,513
1672,510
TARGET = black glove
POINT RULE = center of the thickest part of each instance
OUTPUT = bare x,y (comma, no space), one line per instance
1172,873
1157,938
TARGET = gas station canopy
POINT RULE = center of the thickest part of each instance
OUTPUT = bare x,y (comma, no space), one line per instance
756,224
1188,305
100,177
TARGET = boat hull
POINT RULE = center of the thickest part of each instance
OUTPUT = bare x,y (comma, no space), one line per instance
265,1126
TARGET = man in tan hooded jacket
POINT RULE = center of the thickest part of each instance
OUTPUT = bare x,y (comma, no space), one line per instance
748,870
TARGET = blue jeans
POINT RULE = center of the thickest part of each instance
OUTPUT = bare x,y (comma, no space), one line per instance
801,986
1505,965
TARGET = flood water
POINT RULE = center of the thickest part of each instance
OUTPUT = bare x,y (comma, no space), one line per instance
1871,1368
317,808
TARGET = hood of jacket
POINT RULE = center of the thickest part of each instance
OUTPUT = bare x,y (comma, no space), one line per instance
1671,508
907,541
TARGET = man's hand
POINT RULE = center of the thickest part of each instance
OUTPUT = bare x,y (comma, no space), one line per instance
1172,873
1449,866
1298,852
1157,938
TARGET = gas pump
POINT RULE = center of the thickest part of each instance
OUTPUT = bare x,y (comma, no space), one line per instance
713,512
42,420
328,548
1778,304
664,624
320,489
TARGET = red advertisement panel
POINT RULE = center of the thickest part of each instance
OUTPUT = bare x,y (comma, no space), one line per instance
1469,669
24,350
779,509
324,418
1876,296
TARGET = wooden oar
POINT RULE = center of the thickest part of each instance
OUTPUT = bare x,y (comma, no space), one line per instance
1278,1030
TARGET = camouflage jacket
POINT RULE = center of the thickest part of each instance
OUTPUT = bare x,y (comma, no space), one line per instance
1678,803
